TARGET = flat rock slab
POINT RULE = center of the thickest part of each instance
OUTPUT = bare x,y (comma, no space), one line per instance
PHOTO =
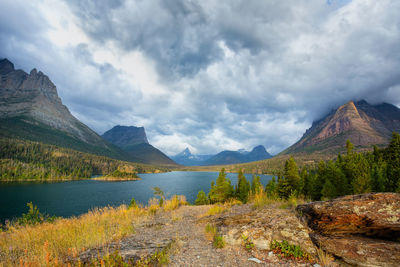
361,251
376,215
363,230
262,226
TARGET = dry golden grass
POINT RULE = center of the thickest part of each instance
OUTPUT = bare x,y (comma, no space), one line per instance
216,209
51,244
324,258
174,203
261,199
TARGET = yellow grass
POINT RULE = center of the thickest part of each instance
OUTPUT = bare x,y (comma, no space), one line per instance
174,203
261,199
52,244
216,209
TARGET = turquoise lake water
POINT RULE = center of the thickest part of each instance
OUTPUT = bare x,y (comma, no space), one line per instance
73,198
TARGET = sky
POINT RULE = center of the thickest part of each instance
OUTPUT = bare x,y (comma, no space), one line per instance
209,75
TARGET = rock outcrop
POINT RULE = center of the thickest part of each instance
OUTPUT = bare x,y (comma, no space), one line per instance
262,226
361,229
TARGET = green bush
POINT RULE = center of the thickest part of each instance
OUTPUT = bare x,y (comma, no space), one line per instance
133,203
219,241
247,242
34,216
288,250
201,198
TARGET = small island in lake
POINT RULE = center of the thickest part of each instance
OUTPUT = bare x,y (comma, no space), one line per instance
119,175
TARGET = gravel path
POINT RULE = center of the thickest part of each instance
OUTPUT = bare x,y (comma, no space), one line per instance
185,229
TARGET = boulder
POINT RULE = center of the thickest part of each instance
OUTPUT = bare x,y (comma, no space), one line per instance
362,230
262,226
375,215
360,251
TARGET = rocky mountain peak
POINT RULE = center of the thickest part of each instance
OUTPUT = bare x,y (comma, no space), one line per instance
259,148
363,124
35,95
186,152
6,66
123,136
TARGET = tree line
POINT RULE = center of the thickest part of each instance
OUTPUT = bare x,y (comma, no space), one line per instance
351,173
27,160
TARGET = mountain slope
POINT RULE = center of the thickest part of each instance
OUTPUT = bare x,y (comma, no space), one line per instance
234,157
31,109
363,124
133,141
225,157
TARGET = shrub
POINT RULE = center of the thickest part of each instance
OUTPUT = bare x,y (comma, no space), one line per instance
288,250
247,242
133,203
175,202
201,198
34,216
219,241
216,209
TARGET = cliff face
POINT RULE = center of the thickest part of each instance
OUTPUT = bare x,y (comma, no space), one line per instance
32,99
133,141
35,95
123,136
363,124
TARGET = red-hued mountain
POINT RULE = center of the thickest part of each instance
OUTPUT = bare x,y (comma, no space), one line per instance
363,124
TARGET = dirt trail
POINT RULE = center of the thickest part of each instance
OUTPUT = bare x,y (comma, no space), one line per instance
186,231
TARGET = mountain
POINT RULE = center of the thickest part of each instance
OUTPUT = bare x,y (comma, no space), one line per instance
360,122
186,158
225,157
31,109
133,141
234,157
123,136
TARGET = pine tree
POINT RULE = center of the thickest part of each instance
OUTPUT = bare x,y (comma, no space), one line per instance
270,188
392,157
201,198
378,177
290,181
242,188
328,190
256,185
222,189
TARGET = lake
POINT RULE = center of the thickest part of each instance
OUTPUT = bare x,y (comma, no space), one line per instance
76,197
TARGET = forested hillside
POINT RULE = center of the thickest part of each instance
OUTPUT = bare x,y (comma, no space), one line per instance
26,160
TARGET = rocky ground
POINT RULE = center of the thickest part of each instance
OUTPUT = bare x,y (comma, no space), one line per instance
361,230
184,228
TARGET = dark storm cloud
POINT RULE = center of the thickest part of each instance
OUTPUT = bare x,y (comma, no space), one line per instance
210,75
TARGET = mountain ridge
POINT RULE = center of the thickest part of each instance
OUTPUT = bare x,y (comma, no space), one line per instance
224,157
30,108
360,122
133,141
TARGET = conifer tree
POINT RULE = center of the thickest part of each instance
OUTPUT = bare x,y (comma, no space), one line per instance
270,188
222,189
256,185
242,188
201,198
290,181
392,157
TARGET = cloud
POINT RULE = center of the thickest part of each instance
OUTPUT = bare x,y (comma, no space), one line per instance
210,75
